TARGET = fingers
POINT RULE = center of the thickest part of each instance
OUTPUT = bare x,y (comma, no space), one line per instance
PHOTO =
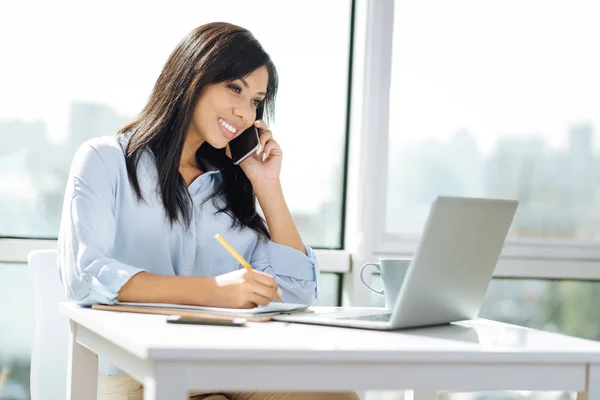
259,300
256,293
265,284
271,146
264,278
264,133
268,146
263,293
260,124
264,138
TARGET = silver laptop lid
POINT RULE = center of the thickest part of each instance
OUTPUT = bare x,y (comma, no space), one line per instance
454,261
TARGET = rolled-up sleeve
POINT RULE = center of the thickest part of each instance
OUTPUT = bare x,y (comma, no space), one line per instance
295,273
87,233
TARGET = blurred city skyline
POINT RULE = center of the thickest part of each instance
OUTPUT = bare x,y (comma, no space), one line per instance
556,188
34,171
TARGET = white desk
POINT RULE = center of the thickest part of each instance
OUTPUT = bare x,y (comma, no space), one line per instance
171,360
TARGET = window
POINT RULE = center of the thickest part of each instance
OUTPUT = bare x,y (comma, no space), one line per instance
16,325
73,71
330,285
496,100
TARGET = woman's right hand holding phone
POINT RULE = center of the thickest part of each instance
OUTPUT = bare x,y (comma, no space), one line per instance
243,288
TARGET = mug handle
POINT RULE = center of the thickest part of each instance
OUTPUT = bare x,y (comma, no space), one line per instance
379,292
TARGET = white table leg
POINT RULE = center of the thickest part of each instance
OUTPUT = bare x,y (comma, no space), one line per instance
424,395
82,369
593,384
168,384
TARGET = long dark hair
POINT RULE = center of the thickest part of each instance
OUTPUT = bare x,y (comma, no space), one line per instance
211,53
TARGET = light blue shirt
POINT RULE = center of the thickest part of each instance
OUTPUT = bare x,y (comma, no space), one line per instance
106,236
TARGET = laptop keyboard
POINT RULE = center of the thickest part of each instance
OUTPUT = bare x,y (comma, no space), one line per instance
374,317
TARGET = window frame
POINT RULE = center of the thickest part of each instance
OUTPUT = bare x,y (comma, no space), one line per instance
377,115
366,237
16,250
335,260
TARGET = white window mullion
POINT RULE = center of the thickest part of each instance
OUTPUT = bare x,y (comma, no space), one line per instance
15,250
548,269
372,59
513,248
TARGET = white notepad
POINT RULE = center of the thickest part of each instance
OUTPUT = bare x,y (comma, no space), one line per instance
271,308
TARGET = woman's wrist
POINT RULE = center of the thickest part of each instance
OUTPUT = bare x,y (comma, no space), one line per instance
203,291
267,189
278,217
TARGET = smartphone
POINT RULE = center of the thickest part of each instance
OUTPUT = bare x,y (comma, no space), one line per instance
246,143
177,319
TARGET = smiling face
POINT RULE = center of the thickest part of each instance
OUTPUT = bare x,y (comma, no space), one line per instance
226,109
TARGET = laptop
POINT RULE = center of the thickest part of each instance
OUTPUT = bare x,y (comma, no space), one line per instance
449,274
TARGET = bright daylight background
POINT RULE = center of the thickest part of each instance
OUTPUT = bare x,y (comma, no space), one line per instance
488,98
74,70
77,71
497,99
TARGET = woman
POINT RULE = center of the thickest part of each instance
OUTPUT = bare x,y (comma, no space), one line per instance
142,208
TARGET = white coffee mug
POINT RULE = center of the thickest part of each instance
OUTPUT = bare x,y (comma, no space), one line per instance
392,272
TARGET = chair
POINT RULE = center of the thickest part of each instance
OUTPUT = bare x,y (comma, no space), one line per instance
48,379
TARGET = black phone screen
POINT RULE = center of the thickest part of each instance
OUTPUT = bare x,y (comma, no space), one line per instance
246,143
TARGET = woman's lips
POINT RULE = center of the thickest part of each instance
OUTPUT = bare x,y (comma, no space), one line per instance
225,132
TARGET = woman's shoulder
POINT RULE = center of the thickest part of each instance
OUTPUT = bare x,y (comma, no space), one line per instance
109,147
103,153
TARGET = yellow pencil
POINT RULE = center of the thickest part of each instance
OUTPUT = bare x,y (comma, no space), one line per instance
239,258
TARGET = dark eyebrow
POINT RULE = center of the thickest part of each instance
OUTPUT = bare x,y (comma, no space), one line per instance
246,84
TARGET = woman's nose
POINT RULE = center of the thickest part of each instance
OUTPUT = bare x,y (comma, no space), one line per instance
246,114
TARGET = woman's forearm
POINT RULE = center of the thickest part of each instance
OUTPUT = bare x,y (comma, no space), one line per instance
279,219
145,287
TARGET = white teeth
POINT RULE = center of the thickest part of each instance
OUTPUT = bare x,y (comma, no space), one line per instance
227,126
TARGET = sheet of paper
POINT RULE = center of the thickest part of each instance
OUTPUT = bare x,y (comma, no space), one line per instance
273,307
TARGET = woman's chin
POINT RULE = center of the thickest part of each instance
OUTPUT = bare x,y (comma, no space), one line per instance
220,143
